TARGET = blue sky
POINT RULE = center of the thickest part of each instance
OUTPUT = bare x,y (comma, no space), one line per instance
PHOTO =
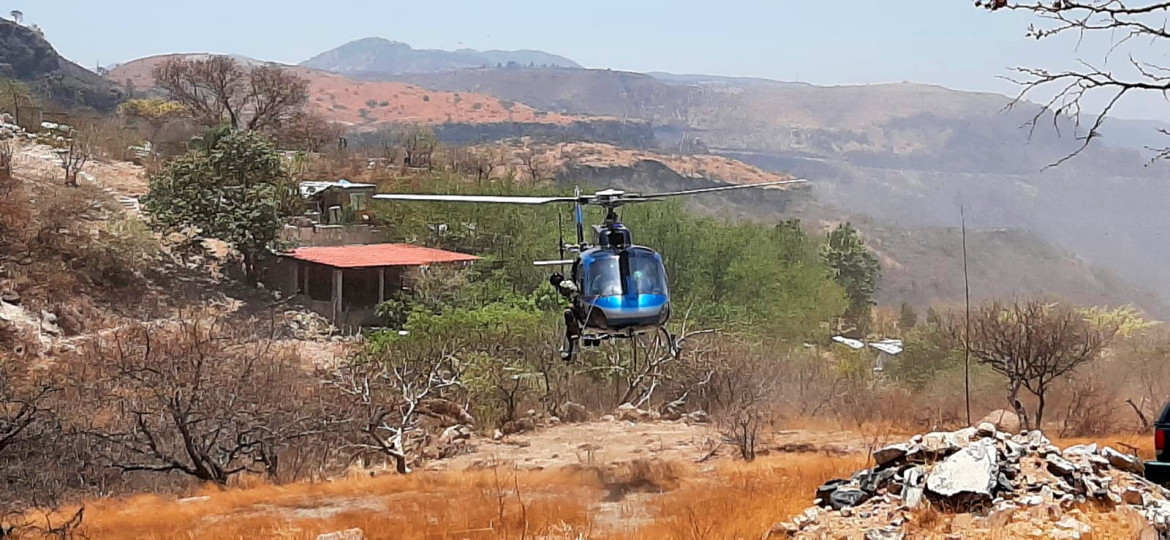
946,42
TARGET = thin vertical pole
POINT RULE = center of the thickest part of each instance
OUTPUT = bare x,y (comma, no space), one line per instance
967,336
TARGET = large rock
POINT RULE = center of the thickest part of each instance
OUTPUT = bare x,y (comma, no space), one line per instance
889,454
968,476
1003,420
1122,461
630,413
574,412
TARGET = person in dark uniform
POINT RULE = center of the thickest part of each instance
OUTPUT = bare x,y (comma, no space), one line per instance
567,289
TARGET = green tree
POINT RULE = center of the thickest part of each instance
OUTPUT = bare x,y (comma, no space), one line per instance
907,317
15,96
232,187
855,268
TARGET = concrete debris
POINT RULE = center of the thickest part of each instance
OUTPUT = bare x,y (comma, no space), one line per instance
984,483
969,475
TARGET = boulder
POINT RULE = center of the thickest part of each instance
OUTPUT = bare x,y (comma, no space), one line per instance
1123,462
454,434
519,425
1003,420
968,476
629,413
986,429
573,413
889,454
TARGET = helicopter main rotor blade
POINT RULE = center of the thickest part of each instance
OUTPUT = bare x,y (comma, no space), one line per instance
654,196
503,199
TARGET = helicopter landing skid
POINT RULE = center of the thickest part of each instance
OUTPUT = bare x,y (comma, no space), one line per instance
592,341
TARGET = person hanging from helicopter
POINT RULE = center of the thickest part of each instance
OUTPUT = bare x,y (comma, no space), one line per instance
569,290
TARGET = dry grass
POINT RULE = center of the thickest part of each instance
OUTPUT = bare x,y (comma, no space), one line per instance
483,504
743,500
732,500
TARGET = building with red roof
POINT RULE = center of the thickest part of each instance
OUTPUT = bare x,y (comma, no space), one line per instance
346,283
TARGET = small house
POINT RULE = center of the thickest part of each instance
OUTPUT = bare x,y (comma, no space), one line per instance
336,202
346,283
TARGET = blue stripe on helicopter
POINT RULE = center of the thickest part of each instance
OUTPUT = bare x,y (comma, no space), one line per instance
632,302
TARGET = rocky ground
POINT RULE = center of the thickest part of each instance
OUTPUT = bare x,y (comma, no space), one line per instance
984,483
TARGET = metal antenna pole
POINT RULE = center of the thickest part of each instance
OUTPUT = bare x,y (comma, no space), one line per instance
967,299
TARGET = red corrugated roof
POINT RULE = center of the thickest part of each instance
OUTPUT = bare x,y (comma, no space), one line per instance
375,255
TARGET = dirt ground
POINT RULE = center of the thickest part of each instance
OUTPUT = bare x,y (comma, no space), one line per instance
601,443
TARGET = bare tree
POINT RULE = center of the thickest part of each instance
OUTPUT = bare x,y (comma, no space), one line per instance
532,164
1141,23
73,159
6,155
218,90
387,401
1033,344
419,142
195,398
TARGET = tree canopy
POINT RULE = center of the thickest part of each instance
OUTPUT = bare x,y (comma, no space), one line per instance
1135,30
231,187
220,91
855,268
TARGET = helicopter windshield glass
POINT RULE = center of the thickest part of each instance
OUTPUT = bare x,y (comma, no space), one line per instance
604,276
646,271
644,274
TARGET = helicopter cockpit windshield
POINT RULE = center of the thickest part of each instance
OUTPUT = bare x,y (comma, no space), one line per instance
632,273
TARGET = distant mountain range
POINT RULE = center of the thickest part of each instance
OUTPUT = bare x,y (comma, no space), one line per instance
379,55
26,56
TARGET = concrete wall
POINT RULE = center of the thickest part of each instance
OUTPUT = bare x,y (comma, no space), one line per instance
331,235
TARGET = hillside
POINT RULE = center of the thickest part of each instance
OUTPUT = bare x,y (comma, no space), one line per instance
358,103
25,55
385,56
901,154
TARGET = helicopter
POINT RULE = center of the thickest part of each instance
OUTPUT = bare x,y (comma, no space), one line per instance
615,288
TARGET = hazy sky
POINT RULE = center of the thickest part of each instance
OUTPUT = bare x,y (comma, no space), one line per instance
946,42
